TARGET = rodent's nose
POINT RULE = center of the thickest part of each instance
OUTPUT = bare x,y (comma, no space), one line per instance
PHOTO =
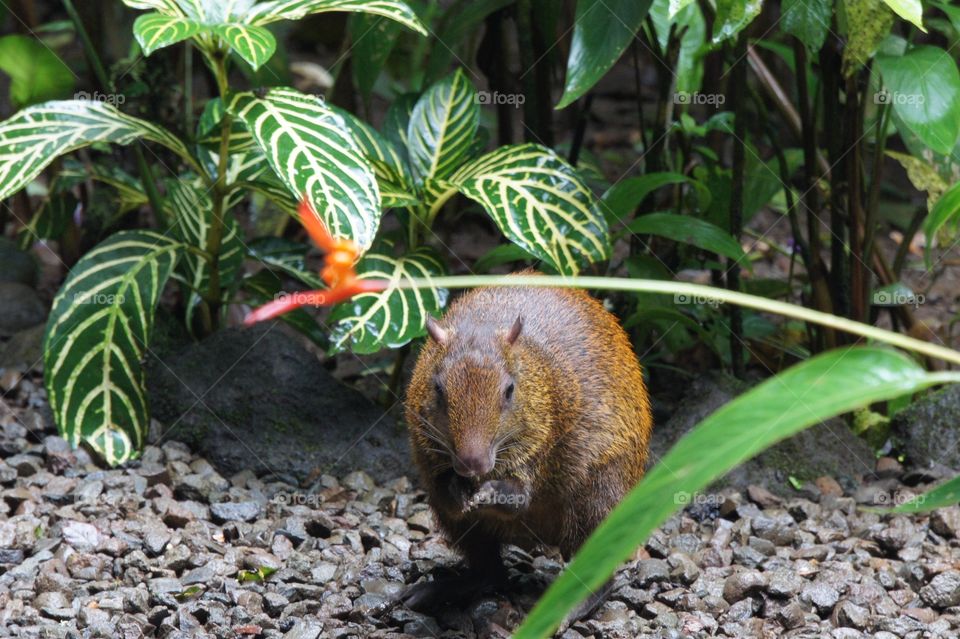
473,465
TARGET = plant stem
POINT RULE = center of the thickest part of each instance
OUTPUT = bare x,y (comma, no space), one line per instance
146,175
664,287
738,77
220,189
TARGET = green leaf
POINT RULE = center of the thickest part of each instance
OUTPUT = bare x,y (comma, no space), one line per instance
311,150
264,286
540,203
51,221
733,16
945,211
373,38
923,85
191,209
808,20
622,199
923,176
129,189
372,321
693,29
157,30
603,29
441,130
37,135
254,44
831,383
168,7
286,256
397,120
393,176
501,254
266,12
946,494
909,10
95,339
453,30
867,24
689,230
36,73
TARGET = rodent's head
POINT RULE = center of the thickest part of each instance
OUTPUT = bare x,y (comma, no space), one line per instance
469,405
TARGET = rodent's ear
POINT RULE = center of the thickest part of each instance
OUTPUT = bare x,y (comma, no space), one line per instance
437,332
515,330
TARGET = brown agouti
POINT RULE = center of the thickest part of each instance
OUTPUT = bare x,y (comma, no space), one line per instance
529,421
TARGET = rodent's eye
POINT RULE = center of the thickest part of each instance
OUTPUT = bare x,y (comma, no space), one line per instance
437,386
508,393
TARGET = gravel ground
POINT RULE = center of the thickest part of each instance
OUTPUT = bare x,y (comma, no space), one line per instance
167,547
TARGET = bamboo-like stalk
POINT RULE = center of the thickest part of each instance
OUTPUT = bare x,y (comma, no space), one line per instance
693,292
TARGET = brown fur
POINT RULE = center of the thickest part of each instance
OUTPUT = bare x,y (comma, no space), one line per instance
575,431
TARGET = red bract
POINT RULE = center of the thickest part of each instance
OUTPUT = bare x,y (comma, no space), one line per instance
338,273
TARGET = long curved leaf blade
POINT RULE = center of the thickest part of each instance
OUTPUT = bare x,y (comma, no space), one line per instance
254,44
540,203
372,321
621,199
311,150
37,135
267,12
603,29
689,230
96,335
946,494
945,211
831,383
441,129
157,30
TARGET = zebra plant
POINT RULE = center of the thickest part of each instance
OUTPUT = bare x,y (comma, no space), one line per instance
430,149
285,145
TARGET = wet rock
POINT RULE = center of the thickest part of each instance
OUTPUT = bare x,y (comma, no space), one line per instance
742,584
650,571
927,429
943,591
235,511
269,405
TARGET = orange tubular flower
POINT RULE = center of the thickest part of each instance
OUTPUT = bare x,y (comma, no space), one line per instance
338,273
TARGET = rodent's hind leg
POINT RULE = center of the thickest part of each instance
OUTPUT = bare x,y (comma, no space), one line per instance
486,571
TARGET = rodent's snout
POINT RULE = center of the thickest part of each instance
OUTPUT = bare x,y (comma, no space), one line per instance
473,464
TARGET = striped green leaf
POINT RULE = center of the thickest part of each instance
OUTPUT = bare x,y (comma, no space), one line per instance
96,336
168,7
254,44
129,189
189,205
35,136
441,131
156,30
540,203
393,175
51,221
286,256
267,12
311,150
397,120
372,321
